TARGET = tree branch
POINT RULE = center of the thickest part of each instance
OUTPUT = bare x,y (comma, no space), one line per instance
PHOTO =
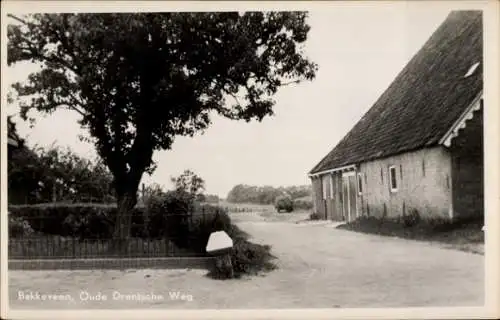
290,82
78,102
76,109
36,54
234,97
9,15
52,59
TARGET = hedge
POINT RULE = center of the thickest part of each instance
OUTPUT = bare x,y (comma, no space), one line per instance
74,220
187,224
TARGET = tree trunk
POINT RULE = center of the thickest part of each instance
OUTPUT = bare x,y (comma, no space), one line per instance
121,232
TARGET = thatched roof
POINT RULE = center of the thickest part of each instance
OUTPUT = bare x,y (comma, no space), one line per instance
424,100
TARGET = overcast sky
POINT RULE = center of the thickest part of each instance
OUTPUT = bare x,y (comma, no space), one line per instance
359,50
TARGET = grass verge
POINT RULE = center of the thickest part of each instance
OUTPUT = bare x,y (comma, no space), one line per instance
464,234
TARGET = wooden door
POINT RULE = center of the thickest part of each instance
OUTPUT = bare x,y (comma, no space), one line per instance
352,197
349,196
345,199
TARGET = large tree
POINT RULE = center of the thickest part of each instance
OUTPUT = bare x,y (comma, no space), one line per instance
138,80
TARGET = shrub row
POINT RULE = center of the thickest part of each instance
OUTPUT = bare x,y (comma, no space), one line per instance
94,221
175,216
70,220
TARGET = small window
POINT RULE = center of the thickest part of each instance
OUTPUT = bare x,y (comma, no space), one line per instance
382,175
401,171
392,178
423,167
360,183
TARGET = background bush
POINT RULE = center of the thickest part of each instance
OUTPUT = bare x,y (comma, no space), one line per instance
169,216
304,203
18,227
284,203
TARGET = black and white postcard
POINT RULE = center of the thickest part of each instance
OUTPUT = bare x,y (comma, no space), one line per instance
250,159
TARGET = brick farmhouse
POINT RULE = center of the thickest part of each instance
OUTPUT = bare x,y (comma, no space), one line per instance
419,148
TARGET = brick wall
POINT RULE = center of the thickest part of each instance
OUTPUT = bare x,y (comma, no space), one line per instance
121,263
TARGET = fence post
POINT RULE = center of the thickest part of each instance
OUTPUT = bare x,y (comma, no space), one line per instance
23,244
54,195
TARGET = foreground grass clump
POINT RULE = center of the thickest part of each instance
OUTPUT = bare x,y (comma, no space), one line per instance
459,233
247,258
192,233
314,216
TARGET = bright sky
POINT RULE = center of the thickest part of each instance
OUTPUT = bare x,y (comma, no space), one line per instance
359,50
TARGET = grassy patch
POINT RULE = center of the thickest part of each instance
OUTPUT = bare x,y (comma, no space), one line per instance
463,234
246,207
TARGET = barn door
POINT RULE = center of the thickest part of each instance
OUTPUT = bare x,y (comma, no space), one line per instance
349,195
352,197
345,198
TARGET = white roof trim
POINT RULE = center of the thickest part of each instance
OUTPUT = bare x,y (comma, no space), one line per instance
461,122
472,69
344,168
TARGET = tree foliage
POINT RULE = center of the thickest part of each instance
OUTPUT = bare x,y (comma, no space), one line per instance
42,175
189,182
37,175
12,132
138,80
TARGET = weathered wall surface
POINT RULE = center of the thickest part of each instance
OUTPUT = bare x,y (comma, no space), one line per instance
468,169
423,183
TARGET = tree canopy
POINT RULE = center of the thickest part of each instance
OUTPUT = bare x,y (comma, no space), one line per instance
138,80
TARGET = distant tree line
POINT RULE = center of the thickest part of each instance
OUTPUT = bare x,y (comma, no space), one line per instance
242,193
